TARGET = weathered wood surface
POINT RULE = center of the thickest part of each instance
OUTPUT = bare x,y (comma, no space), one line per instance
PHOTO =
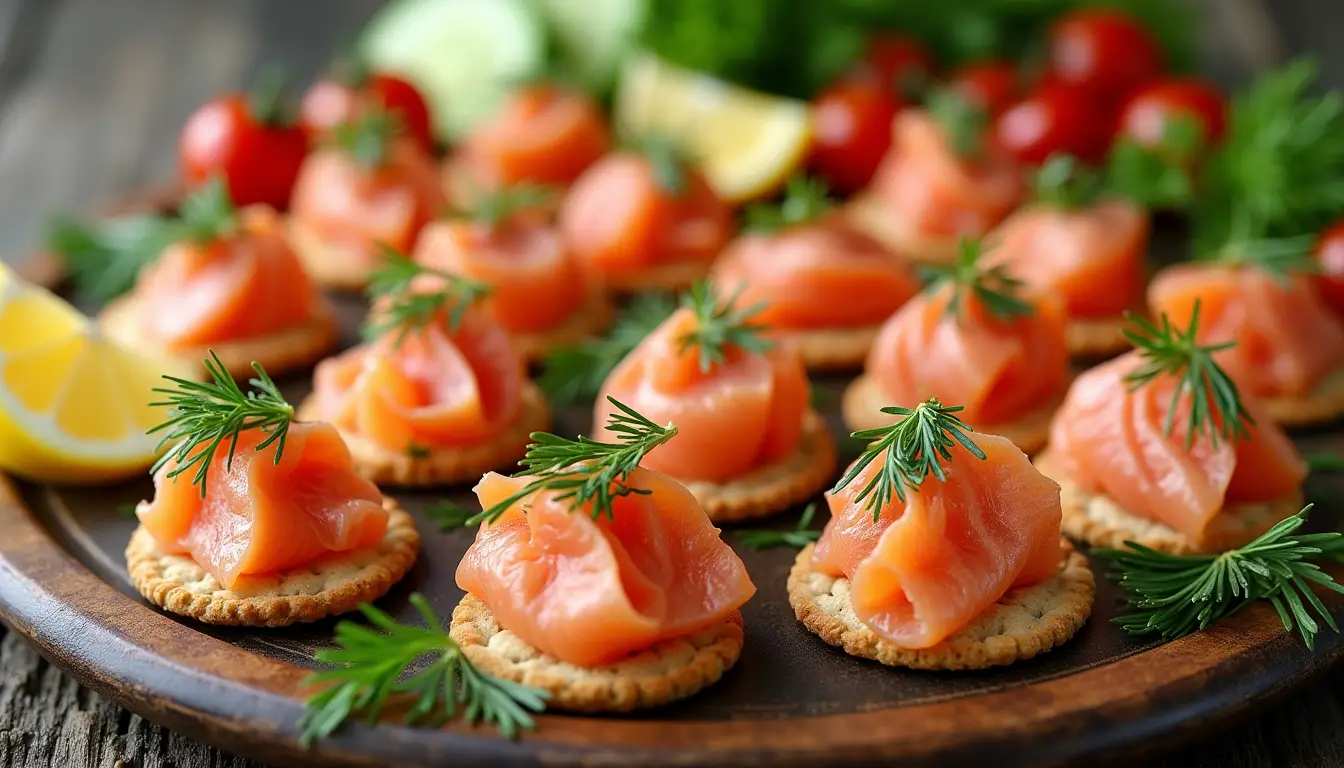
92,93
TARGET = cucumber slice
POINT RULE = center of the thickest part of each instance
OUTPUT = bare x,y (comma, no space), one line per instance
593,36
464,55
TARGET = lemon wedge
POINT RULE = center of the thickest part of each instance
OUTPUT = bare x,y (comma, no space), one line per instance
74,406
747,143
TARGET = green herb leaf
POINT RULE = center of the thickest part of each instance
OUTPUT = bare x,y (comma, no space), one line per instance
1063,182
719,324
993,287
1279,257
128,511
911,450
449,515
585,471
370,666
1216,409
805,200
491,208
398,306
1331,463
575,374
1174,595
962,121
367,138
204,416
666,160
801,535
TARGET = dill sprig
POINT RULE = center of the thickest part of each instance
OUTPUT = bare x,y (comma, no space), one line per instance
962,121
1216,409
105,258
204,416
449,515
911,450
667,162
801,535
995,289
574,374
491,208
1163,176
1325,462
720,324
1064,182
367,138
806,199
401,307
585,471
371,664
1174,595
1279,257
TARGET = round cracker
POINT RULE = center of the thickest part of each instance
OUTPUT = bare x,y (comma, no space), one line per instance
279,352
1098,521
832,349
334,584
1096,337
591,319
444,465
1025,622
669,276
1322,405
665,672
341,267
869,216
776,487
864,400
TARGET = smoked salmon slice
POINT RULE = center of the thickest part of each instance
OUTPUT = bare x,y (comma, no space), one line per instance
237,287
588,591
926,567
435,386
261,517
742,413
1110,438
1287,340
821,275
542,134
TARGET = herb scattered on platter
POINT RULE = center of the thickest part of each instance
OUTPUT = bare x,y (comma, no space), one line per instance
202,417
128,511
575,374
806,199
1174,595
401,307
370,669
585,471
911,450
801,535
720,324
1325,462
995,289
1216,410
449,515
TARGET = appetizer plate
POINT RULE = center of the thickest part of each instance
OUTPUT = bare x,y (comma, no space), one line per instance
791,700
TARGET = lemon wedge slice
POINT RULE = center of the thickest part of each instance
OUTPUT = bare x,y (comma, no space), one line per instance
74,406
746,142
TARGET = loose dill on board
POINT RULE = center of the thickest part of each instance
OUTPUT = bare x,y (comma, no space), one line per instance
800,536
399,306
575,374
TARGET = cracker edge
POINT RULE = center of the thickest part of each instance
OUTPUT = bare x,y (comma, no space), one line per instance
337,267
1322,405
832,349
401,542
600,689
1094,337
669,276
867,215
1055,628
591,318
444,466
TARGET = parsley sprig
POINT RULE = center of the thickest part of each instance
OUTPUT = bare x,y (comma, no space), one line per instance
911,450
203,417
370,669
585,471
575,374
801,535
400,307
1216,410
1174,595
720,324
995,289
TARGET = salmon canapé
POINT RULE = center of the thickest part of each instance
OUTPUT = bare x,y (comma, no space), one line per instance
262,517
635,228
924,568
1287,341
1110,438
591,591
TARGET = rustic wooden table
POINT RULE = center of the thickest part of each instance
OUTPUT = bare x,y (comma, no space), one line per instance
92,94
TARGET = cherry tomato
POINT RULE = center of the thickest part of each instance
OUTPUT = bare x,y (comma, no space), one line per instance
1055,118
990,85
1103,50
1145,116
334,101
259,157
1330,254
897,63
851,131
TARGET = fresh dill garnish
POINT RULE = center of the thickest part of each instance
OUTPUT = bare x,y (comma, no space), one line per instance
962,121
415,450
719,324
801,535
491,208
449,515
667,162
575,374
1216,409
1161,176
806,199
370,663
367,138
995,289
585,471
1279,257
105,258
128,511
1174,595
202,417
1064,182
911,450
1325,462
398,305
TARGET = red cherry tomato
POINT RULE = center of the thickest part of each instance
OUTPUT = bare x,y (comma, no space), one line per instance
328,103
851,131
1330,254
260,160
1145,116
990,85
1055,118
896,63
1104,51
